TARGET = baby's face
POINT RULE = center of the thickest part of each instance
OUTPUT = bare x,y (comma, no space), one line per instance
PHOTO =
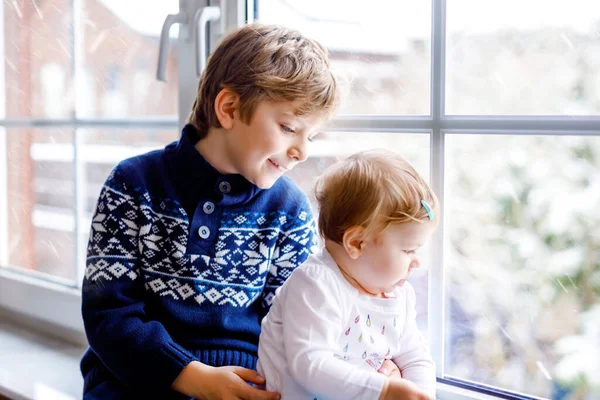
386,262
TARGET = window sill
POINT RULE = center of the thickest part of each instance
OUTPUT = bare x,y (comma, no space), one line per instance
51,303
449,392
37,366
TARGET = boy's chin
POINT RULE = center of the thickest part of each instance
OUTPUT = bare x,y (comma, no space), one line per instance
264,183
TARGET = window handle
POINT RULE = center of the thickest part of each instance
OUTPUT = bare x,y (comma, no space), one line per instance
163,49
201,19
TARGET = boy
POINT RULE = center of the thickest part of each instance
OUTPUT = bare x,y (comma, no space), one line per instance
348,309
188,244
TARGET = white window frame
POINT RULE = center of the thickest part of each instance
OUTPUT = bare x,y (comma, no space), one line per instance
59,304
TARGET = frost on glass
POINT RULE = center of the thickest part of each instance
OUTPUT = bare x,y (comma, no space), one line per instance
95,61
40,202
120,51
113,75
523,263
37,78
523,57
381,50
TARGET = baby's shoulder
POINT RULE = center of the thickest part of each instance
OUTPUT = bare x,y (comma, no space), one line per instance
314,273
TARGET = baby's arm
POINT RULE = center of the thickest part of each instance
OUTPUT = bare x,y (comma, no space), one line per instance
312,324
415,361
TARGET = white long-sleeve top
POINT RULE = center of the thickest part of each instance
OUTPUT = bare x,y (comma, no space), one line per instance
324,340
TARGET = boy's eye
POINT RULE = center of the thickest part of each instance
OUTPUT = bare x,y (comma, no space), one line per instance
286,128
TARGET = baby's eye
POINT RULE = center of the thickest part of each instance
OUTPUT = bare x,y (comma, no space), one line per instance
286,128
410,251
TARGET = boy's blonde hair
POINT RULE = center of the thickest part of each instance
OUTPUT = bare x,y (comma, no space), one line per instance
371,189
266,62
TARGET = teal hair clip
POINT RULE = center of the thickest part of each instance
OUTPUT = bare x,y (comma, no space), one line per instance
428,209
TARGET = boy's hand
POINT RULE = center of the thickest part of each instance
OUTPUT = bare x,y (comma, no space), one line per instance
402,389
389,369
204,382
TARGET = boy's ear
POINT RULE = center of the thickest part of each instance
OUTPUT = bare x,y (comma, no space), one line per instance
226,103
354,241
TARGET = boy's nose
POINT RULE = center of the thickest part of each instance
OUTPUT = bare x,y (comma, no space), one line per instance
298,151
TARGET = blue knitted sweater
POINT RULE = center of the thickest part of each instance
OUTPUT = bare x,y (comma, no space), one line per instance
182,265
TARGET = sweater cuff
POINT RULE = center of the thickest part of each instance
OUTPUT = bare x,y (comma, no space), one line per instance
175,359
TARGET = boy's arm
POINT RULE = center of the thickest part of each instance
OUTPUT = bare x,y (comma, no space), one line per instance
297,240
136,349
415,361
312,324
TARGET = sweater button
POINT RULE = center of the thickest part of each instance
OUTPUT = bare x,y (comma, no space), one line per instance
224,187
208,207
204,232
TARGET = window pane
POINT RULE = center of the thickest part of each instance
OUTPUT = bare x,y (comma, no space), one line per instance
40,201
523,262
118,79
380,49
38,48
523,57
330,147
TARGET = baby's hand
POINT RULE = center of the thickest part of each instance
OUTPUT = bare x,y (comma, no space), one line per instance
389,369
204,382
402,389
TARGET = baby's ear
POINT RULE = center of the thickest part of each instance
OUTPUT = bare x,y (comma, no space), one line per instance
354,241
226,102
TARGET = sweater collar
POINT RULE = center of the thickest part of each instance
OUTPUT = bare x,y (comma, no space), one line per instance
196,175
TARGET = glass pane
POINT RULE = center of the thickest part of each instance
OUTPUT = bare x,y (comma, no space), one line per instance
381,49
118,78
522,263
523,57
330,147
36,74
100,150
40,219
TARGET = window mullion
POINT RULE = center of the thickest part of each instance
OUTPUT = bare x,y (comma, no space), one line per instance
436,286
517,125
79,184
3,155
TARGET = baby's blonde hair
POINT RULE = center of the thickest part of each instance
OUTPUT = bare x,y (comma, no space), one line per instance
266,62
371,189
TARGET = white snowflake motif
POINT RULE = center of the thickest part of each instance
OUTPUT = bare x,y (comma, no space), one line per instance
262,258
283,260
220,257
148,238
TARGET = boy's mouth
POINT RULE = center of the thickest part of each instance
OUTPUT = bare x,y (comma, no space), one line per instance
281,168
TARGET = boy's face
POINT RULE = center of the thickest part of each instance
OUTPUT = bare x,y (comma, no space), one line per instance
273,143
386,262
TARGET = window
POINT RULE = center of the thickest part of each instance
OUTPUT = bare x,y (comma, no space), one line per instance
496,102
513,292
68,113
536,57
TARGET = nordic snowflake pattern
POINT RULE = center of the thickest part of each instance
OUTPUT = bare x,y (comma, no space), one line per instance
143,237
